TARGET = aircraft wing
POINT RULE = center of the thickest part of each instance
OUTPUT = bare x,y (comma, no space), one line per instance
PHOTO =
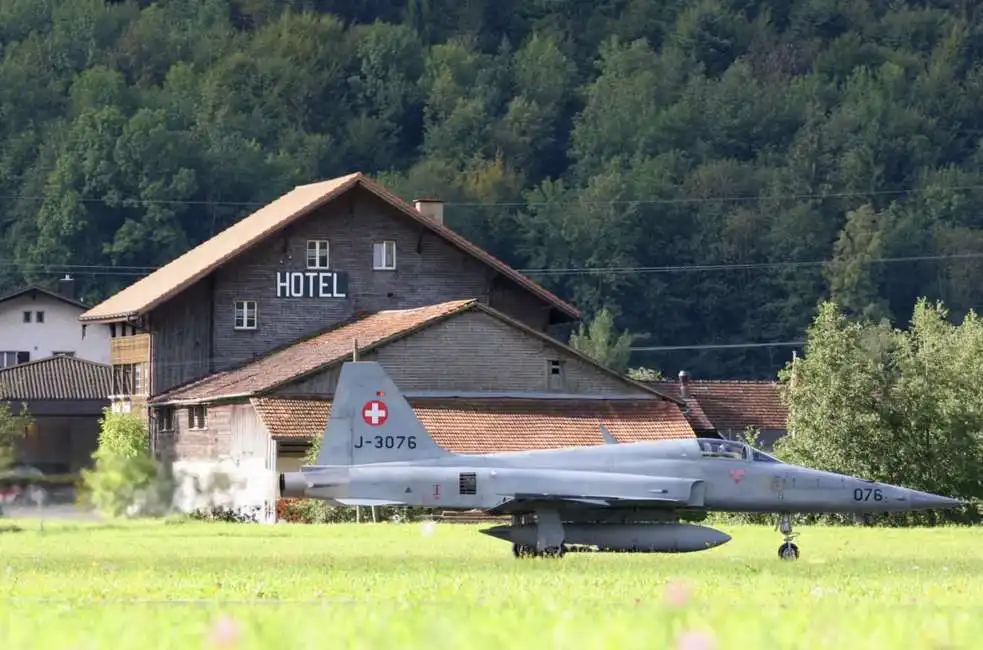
522,503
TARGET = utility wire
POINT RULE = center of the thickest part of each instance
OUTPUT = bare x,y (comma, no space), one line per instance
129,271
129,202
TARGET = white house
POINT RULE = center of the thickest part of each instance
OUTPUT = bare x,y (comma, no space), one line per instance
36,323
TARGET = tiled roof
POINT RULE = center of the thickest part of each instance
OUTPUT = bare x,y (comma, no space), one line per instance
486,425
169,280
317,353
57,378
731,405
313,353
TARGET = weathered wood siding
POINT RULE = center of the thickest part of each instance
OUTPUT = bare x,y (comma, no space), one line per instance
248,435
181,344
212,442
428,271
476,352
132,348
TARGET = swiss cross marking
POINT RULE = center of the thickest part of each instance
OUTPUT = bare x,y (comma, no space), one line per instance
375,413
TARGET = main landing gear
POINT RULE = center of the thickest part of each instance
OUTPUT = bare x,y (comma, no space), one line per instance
788,550
523,551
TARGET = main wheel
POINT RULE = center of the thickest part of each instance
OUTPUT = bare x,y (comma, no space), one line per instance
555,551
522,551
788,551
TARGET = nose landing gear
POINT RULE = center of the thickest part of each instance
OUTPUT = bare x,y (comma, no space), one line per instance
788,550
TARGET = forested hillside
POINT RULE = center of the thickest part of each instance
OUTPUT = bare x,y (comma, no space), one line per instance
689,164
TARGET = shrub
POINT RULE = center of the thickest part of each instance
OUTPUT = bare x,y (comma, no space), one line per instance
125,480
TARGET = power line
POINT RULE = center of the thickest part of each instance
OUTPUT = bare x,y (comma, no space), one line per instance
129,202
129,271
716,346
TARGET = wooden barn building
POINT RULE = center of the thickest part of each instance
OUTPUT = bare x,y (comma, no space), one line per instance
234,348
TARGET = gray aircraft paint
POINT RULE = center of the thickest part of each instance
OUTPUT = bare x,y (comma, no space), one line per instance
376,452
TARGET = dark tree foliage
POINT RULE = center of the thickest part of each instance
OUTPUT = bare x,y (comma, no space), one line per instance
686,165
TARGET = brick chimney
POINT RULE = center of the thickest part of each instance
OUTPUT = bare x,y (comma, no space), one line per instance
66,287
432,208
683,384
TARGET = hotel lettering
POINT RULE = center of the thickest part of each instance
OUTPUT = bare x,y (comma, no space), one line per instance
311,284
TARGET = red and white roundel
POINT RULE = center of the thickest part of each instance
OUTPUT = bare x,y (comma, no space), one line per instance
375,413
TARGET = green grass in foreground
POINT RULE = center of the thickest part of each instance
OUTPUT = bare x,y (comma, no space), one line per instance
151,585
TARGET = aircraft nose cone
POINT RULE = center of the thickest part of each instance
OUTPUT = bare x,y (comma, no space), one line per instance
926,501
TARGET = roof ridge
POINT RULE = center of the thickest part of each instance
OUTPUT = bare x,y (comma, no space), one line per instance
51,358
198,262
51,293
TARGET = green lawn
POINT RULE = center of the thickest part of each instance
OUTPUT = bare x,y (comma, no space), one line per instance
394,586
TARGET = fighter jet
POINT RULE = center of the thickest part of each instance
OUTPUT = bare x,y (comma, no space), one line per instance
610,497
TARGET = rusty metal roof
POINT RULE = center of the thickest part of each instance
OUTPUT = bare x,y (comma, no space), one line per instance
488,425
169,280
56,378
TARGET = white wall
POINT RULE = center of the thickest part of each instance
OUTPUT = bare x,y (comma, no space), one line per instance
61,330
203,484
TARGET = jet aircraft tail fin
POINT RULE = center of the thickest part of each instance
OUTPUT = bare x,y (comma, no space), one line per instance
371,421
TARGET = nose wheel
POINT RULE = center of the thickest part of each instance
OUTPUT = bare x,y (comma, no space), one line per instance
788,550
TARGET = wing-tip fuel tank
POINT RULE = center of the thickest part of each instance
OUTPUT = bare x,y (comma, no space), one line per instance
613,496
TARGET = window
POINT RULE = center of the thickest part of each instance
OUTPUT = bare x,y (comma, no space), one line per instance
468,483
317,254
140,379
245,318
384,255
63,354
196,417
11,358
554,374
27,317
39,317
165,418
715,448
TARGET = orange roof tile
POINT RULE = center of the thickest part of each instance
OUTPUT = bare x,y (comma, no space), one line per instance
732,405
487,425
313,353
169,280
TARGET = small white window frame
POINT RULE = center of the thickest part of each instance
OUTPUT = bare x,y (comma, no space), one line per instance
242,311
197,423
318,254
383,252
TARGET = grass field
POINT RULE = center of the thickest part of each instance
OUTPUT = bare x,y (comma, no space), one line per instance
196,585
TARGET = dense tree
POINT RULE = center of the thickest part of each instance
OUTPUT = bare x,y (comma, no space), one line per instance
890,404
687,165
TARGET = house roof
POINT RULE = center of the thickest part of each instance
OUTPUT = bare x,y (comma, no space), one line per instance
487,425
316,353
34,289
732,405
169,280
57,378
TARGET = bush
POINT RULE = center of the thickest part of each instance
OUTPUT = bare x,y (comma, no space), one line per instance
126,480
